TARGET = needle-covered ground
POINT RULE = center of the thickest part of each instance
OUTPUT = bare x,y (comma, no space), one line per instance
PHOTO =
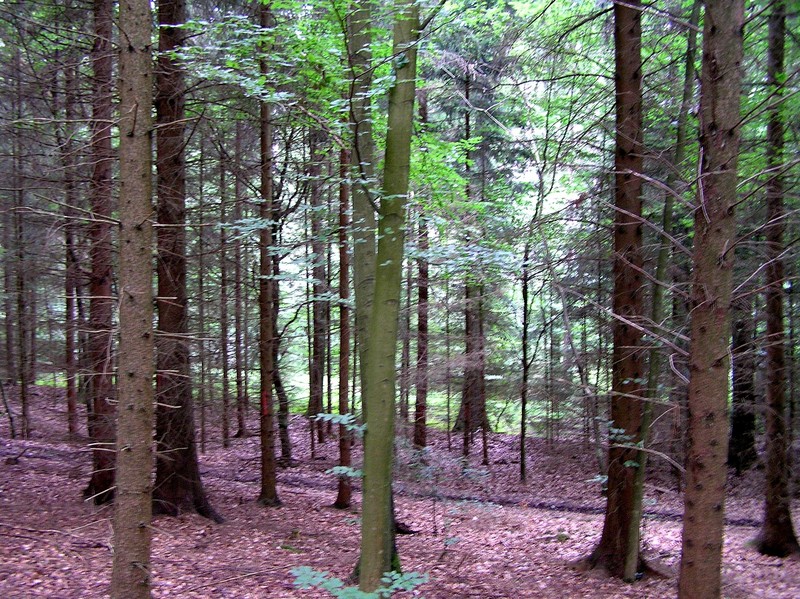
479,531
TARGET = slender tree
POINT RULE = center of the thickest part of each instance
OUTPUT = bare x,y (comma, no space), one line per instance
344,493
742,449
657,309
421,371
628,300
777,536
709,362
269,492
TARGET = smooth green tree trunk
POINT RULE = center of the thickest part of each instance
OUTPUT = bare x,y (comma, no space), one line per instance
379,364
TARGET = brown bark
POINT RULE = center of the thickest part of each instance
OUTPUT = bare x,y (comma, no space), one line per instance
223,308
66,143
318,289
101,304
421,382
404,390
742,449
628,300
130,576
21,279
344,494
238,296
777,536
269,493
277,379
178,486
709,363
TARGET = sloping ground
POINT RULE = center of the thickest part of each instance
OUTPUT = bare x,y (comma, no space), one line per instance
477,534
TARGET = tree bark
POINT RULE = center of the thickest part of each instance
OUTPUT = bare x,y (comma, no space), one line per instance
344,494
657,310
178,486
238,296
777,536
709,363
628,300
421,382
379,372
742,449
130,576
268,495
223,308
101,303
319,325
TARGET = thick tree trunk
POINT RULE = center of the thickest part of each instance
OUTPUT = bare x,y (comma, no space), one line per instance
628,301
709,363
777,536
472,413
130,576
363,161
178,485
101,302
379,372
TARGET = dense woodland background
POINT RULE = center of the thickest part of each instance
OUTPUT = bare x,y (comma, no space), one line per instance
564,196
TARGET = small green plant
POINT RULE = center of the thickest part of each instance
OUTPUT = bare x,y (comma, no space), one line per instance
345,471
349,421
393,582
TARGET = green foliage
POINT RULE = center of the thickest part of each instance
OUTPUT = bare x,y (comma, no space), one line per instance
349,421
392,582
345,471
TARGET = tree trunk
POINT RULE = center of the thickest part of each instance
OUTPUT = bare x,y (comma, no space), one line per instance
363,161
657,309
21,278
130,576
238,296
277,380
709,363
777,536
405,341
379,372
223,308
628,301
66,142
526,361
101,303
344,494
319,325
178,486
421,383
268,495
742,449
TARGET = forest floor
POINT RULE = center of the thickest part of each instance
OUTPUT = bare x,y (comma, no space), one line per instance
479,531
